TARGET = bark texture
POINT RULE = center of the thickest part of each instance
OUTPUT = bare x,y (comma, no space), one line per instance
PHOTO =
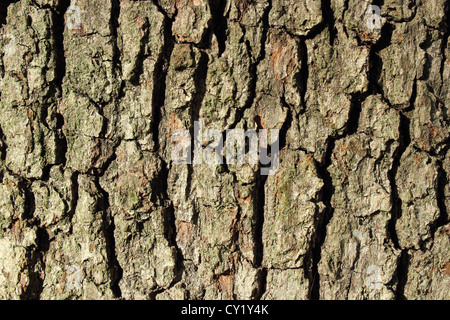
92,206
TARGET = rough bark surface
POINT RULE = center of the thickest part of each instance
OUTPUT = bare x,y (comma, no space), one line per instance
93,207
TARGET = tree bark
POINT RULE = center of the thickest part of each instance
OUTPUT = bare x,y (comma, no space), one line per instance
92,205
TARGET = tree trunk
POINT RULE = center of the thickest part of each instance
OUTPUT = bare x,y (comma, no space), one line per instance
93,205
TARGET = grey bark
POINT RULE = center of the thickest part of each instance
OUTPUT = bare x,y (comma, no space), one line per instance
93,207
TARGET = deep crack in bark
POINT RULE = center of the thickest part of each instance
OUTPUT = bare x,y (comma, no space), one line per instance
218,25
114,268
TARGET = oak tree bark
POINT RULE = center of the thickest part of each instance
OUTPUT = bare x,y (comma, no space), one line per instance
93,207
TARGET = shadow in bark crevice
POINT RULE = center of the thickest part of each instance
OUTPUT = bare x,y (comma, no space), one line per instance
4,10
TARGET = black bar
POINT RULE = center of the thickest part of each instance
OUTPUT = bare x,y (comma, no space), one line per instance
310,310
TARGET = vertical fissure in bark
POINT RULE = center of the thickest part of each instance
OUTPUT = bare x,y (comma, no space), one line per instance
236,230
253,67
329,19
60,73
443,178
375,70
396,201
260,206
445,25
3,146
200,75
322,221
58,32
29,200
34,254
355,110
35,286
324,217
140,58
260,199
161,10
282,141
219,23
302,80
159,82
115,270
260,202
160,185
60,141
404,141
38,256
426,44
259,209
114,27
258,292
265,32
402,275
442,182
258,231
158,102
375,62
73,198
